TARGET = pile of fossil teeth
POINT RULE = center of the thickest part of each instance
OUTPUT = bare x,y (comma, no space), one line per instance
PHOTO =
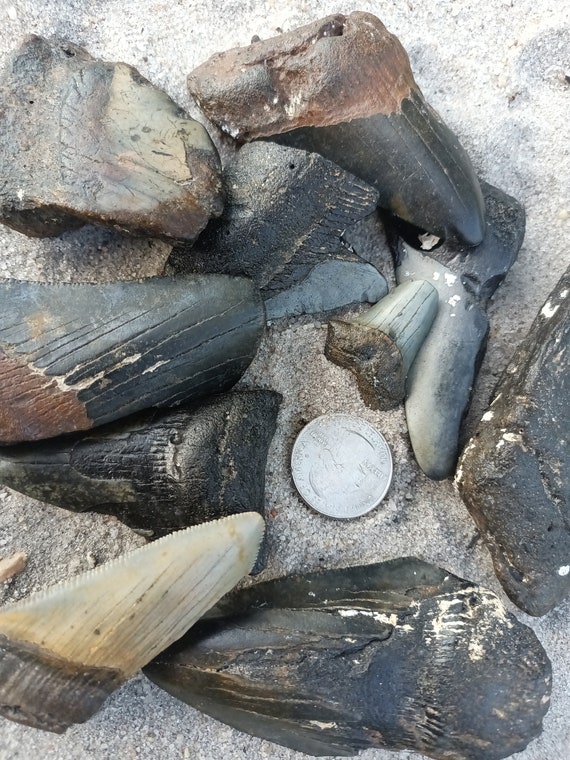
401,654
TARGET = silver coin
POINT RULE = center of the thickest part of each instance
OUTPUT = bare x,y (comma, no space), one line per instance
341,465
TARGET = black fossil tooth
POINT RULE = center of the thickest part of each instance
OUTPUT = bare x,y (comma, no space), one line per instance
513,475
379,346
342,87
76,356
160,470
441,379
399,654
90,141
284,215
65,649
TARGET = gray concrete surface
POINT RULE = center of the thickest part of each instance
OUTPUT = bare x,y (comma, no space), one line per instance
496,72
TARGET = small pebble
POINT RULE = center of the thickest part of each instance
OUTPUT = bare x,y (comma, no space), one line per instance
13,565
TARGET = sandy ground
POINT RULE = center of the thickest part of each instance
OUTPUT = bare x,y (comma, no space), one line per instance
496,71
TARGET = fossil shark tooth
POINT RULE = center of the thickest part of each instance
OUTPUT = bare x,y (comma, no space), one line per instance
440,381
513,475
284,214
380,345
343,87
64,650
399,654
76,356
88,141
158,470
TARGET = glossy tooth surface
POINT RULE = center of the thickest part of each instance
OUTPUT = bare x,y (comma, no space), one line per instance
76,356
284,215
401,655
440,381
158,471
513,475
343,87
94,142
380,345
63,650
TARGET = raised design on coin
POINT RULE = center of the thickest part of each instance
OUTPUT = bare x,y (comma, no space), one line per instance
341,465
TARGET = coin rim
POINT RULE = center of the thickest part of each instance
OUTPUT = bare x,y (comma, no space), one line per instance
344,415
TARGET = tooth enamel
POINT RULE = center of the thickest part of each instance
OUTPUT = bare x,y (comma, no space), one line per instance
95,630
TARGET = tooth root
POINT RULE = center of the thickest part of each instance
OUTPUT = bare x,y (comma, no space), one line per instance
346,90
76,356
380,345
83,637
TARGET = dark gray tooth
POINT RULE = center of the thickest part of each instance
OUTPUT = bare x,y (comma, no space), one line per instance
284,216
89,141
400,654
160,470
513,475
441,380
380,344
343,87
76,356
65,649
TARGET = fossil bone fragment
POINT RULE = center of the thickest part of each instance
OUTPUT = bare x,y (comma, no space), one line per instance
514,473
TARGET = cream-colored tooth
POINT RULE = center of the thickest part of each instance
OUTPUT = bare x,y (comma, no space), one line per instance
125,612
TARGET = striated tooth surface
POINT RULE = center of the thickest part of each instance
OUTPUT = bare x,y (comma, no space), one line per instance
342,87
63,650
284,215
513,475
399,654
380,345
76,356
160,470
91,141
441,380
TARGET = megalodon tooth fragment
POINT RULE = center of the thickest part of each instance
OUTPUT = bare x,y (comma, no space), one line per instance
284,214
441,379
343,87
514,473
380,344
160,470
87,141
399,654
64,650
76,356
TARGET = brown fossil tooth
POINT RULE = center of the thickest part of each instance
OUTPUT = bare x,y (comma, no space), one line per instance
399,654
64,650
342,87
380,345
76,356
91,141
